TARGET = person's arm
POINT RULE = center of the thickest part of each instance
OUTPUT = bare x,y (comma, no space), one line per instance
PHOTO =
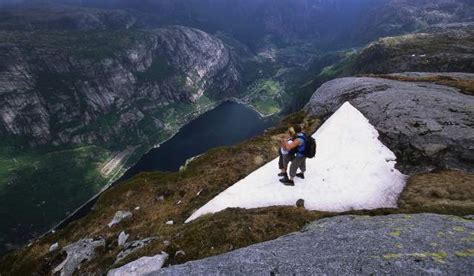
290,146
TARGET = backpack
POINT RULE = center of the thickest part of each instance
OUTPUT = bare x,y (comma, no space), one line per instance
310,146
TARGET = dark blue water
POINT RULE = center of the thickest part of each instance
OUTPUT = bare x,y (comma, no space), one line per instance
227,124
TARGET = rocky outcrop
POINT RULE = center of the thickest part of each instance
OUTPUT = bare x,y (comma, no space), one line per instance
427,125
67,89
407,244
448,49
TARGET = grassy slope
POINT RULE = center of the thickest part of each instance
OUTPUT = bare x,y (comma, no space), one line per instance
446,192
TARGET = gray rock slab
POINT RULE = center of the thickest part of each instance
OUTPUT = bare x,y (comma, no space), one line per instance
426,125
141,266
394,244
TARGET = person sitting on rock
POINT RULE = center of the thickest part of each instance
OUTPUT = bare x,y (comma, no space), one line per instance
299,159
286,156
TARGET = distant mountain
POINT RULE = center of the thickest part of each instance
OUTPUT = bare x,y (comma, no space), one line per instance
331,24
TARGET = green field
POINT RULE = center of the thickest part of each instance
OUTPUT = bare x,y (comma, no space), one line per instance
265,96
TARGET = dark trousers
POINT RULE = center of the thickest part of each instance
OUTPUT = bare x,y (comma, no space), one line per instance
297,162
284,160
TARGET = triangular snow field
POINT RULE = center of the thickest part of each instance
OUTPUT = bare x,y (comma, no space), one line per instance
352,170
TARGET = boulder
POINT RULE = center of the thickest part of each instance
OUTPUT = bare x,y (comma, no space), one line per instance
54,247
78,253
426,125
119,216
141,266
394,244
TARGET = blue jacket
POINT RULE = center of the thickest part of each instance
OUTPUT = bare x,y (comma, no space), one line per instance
300,148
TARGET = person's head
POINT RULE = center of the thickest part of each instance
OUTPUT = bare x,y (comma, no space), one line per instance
297,129
291,132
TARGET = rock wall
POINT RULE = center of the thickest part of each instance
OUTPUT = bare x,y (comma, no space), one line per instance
428,126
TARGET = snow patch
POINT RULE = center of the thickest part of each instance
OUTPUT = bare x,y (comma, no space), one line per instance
352,170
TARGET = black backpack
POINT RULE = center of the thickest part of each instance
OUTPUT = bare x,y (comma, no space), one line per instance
310,146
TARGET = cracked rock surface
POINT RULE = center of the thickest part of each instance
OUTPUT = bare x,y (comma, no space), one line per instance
427,125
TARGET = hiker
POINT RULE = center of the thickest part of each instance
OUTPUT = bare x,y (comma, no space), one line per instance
286,156
298,160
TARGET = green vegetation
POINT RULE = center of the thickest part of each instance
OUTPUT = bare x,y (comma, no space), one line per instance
465,253
265,106
265,96
396,232
178,114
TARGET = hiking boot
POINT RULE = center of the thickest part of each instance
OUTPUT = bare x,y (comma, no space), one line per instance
300,175
287,182
283,174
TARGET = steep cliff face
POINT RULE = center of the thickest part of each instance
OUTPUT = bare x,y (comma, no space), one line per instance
59,87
